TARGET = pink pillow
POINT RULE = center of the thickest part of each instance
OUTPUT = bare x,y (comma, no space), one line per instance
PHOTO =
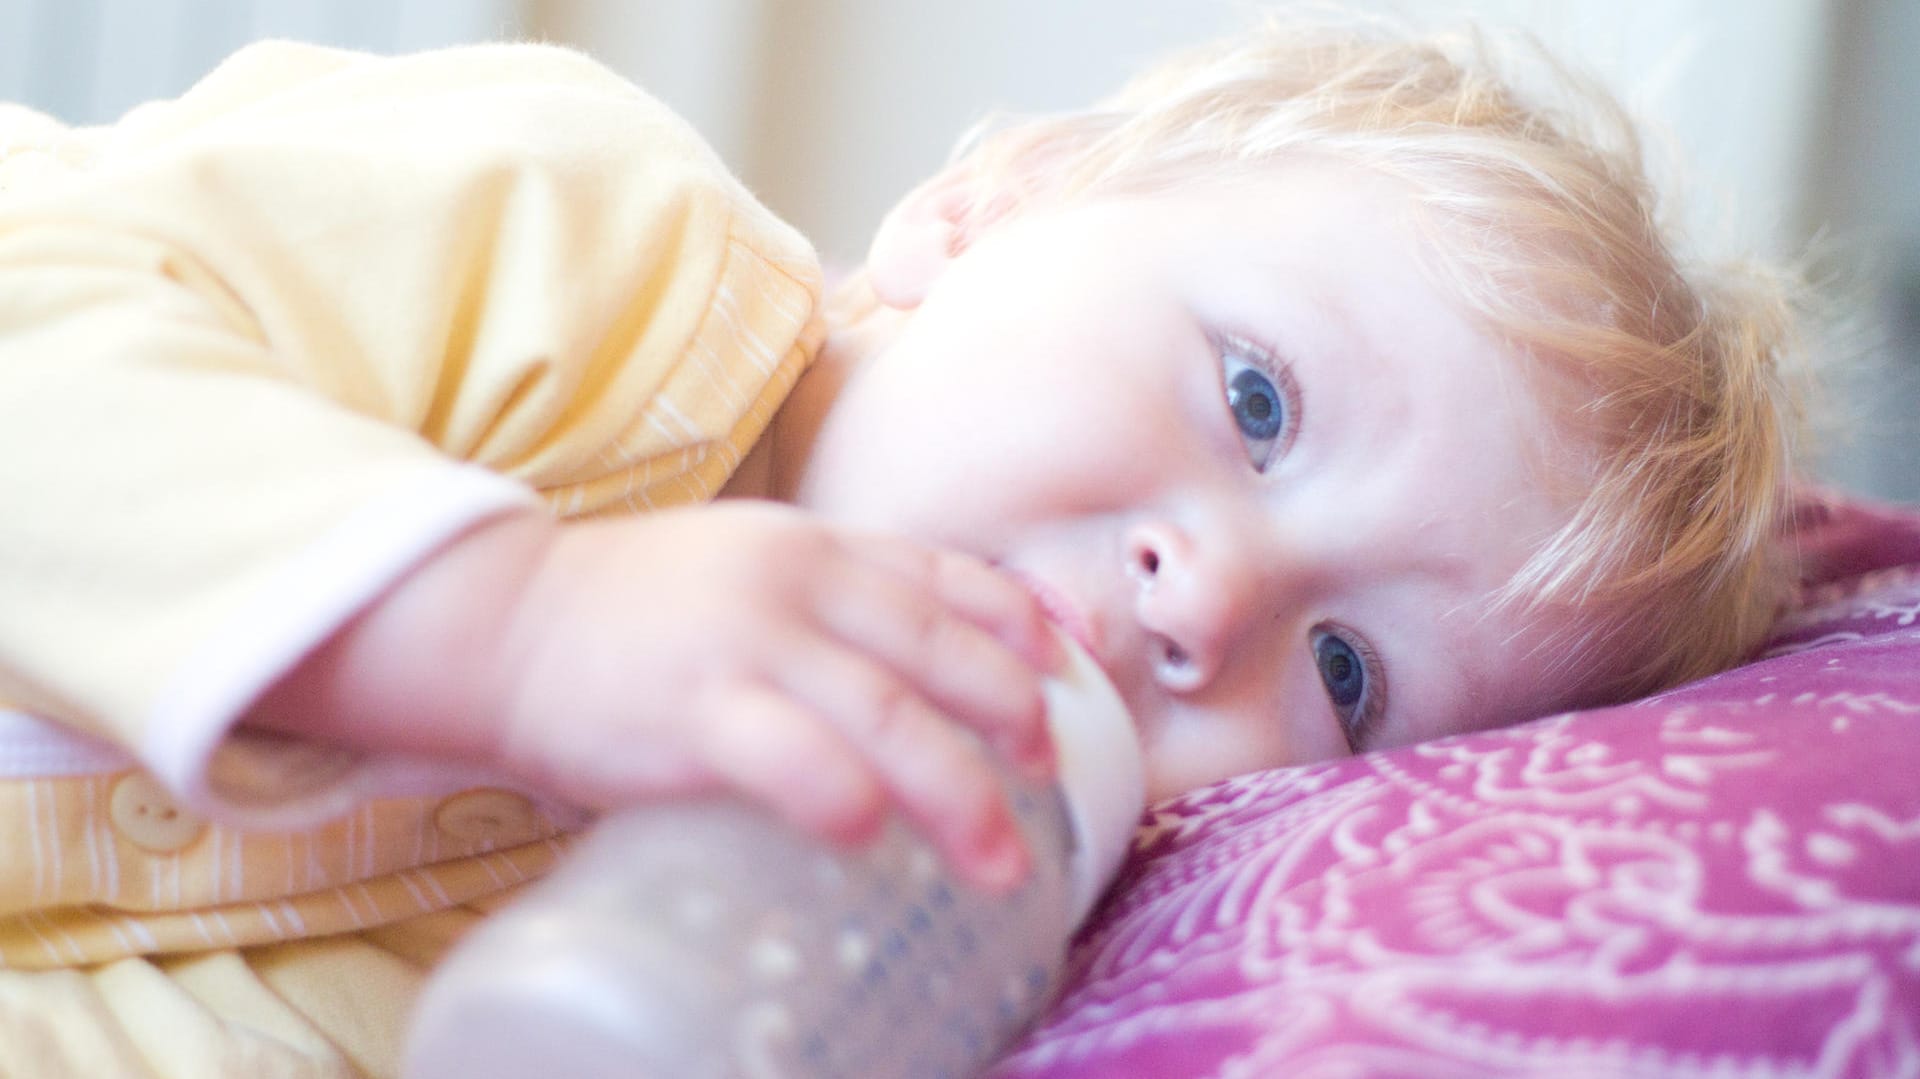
1720,880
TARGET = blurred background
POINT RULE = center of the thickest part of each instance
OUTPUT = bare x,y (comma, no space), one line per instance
1782,122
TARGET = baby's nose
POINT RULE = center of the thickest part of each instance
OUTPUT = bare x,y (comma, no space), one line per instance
1194,601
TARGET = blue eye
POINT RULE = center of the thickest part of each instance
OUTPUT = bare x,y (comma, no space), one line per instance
1259,409
1343,669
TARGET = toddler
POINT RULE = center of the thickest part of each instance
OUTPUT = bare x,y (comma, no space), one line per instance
408,456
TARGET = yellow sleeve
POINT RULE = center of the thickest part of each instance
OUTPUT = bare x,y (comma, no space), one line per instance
265,347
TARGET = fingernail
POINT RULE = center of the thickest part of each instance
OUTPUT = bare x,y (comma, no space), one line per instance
1002,865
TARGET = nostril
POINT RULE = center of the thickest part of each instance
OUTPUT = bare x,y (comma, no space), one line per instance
1175,668
1145,544
1173,656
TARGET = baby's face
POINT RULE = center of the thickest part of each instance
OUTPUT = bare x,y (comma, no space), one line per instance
1239,446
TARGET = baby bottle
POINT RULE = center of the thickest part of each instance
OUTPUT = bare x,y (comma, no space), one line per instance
709,940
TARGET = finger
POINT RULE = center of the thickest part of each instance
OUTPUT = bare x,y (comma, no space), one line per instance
936,773
649,761
964,671
776,751
977,592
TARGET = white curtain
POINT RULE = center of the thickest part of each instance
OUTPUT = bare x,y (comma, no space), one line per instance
87,61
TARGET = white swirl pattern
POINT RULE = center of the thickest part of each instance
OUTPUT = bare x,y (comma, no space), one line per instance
1722,881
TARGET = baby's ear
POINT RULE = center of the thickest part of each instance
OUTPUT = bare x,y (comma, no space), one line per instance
924,232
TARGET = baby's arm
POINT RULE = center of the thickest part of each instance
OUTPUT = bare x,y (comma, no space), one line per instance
308,349
737,646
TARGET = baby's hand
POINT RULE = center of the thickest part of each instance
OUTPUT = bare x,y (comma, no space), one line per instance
825,674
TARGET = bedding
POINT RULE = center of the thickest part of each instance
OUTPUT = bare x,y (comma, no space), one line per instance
1721,880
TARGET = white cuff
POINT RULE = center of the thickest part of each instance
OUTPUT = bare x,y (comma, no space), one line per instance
32,748
313,595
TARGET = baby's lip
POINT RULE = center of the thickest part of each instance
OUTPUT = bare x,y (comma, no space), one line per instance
1059,610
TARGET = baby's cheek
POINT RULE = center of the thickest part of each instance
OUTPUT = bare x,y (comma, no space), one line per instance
1193,752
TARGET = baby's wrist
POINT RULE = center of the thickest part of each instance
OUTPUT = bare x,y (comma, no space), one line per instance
424,669
491,580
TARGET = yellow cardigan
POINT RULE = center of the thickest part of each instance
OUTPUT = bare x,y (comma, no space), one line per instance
263,348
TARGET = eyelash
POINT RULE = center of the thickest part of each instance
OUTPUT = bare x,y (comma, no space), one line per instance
1266,360
1374,704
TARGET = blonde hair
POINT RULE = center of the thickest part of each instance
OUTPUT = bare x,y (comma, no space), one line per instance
1531,182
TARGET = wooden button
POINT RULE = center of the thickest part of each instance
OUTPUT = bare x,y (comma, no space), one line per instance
146,814
489,817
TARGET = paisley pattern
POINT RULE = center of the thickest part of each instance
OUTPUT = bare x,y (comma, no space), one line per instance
1723,880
